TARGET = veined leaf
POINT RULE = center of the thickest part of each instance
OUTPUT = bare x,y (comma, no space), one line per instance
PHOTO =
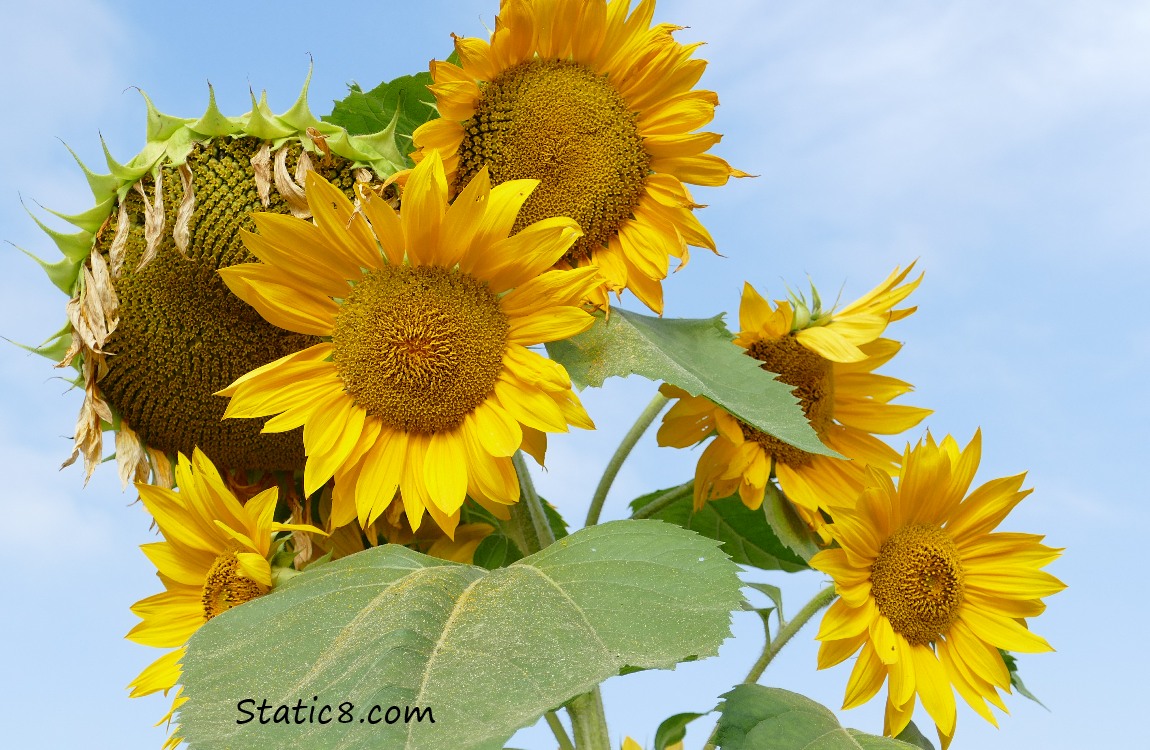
755,717
746,535
487,651
697,356
405,100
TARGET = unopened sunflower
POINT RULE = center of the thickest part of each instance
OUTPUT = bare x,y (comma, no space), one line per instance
830,360
151,327
929,590
423,381
597,105
215,556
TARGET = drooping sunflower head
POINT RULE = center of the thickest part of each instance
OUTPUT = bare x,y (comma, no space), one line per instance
152,328
829,358
215,556
929,590
422,381
599,106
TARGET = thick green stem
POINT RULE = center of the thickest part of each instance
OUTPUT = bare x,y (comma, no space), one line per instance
641,424
558,730
535,526
774,645
589,721
662,501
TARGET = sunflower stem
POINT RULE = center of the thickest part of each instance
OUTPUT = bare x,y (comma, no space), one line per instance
787,631
662,501
771,649
559,731
533,522
641,424
589,721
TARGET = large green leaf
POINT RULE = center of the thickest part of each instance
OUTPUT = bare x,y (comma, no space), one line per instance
487,651
745,533
696,355
406,100
755,717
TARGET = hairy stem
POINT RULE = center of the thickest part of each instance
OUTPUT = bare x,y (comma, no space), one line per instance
662,501
773,646
558,730
641,424
589,721
533,519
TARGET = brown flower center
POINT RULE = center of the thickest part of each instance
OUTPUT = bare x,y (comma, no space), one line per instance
559,122
811,376
917,582
182,334
419,347
225,587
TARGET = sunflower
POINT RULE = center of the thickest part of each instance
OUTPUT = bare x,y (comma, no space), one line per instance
926,589
597,105
152,329
423,381
215,556
830,360
391,527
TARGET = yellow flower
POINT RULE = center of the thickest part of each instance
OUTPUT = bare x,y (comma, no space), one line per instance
830,359
214,557
928,591
423,381
392,528
598,105
151,327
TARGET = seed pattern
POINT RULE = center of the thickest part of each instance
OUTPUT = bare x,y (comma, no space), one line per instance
182,334
225,588
559,122
419,347
811,376
917,582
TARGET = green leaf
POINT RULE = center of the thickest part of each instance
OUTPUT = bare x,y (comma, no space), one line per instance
673,729
755,717
746,535
789,529
1016,679
554,520
496,551
406,100
499,549
487,651
911,735
774,592
697,356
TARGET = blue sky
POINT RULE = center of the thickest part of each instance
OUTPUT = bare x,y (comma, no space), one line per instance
1003,145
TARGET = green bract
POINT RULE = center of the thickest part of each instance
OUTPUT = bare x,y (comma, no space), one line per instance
152,328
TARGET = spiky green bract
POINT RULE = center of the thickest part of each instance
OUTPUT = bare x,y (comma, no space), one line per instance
163,204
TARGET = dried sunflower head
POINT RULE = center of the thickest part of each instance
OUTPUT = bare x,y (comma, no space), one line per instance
152,329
